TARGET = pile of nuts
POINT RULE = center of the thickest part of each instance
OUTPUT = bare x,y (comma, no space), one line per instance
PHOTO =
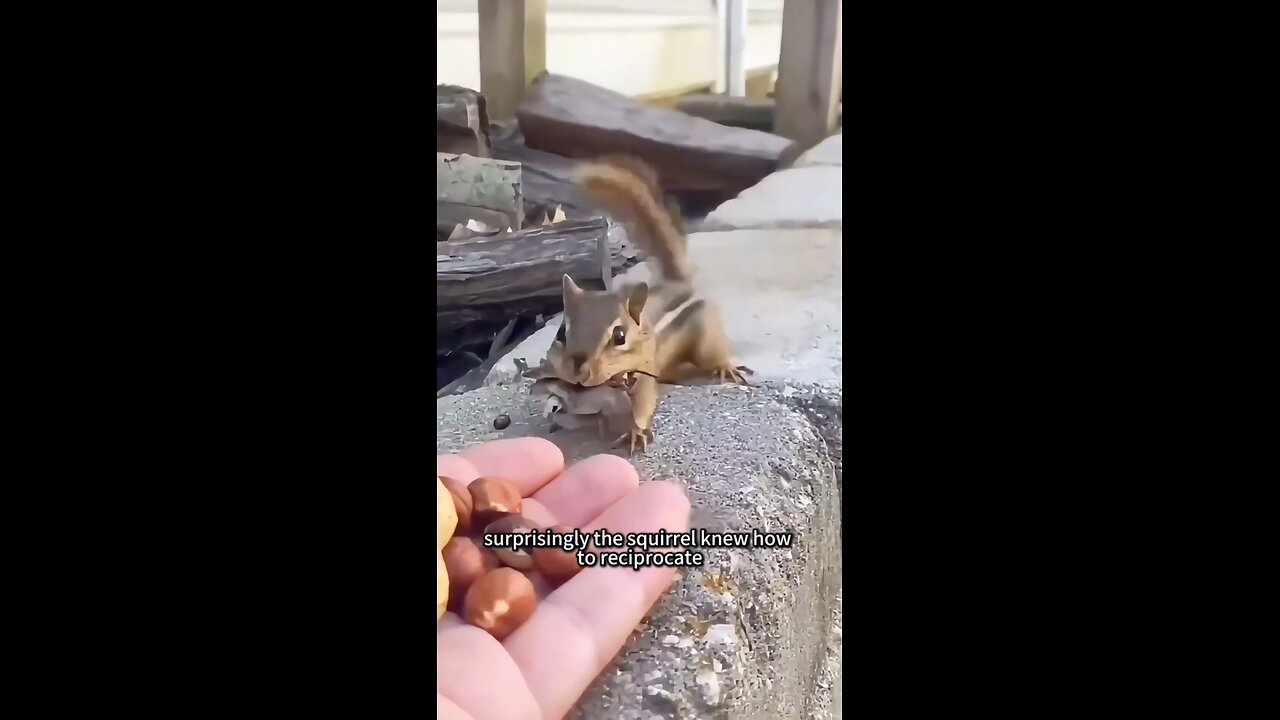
487,586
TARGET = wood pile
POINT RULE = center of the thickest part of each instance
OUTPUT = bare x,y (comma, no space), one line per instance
473,191
488,279
571,117
462,121
743,112
510,221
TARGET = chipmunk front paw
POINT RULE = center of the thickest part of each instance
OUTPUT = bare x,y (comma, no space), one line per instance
642,436
733,374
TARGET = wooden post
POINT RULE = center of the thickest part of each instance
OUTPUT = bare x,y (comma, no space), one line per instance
513,50
736,39
809,71
720,86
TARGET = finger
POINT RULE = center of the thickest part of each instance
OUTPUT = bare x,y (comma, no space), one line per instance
538,513
446,710
527,462
449,621
465,653
582,492
456,467
587,488
579,628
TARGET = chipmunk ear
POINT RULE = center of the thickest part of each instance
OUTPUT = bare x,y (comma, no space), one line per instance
635,301
570,287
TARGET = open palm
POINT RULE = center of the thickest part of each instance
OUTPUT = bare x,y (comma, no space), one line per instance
540,670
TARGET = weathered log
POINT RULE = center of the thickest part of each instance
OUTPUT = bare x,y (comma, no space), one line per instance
462,121
545,179
575,118
547,183
450,215
744,112
481,183
490,280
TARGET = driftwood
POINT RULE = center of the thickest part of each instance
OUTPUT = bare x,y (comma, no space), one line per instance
489,187
462,121
484,282
575,118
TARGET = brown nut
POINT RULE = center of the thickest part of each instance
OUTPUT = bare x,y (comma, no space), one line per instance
461,502
519,559
492,498
465,561
556,565
499,602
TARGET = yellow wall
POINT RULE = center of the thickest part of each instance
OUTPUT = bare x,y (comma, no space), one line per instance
635,54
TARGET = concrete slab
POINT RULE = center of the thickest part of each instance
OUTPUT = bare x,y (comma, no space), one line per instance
753,633
532,349
827,152
800,197
779,292
780,295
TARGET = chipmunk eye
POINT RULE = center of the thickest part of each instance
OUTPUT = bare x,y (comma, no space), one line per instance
619,336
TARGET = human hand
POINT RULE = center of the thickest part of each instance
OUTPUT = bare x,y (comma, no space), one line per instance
541,669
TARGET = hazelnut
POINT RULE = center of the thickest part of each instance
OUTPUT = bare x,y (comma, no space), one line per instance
442,586
446,515
556,565
492,498
466,561
519,559
461,502
499,602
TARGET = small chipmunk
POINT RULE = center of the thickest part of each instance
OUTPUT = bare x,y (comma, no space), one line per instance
640,335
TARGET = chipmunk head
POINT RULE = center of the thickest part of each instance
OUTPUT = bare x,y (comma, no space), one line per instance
601,334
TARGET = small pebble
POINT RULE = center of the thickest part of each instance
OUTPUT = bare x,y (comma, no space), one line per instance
502,422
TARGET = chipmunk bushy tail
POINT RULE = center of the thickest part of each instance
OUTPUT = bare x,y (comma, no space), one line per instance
628,189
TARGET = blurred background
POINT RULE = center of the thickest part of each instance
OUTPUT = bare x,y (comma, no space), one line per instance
650,49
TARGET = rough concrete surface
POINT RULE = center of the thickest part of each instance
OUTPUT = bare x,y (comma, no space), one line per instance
827,152
754,633
799,197
807,195
780,297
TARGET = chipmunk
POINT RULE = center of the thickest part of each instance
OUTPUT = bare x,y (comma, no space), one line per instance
638,336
